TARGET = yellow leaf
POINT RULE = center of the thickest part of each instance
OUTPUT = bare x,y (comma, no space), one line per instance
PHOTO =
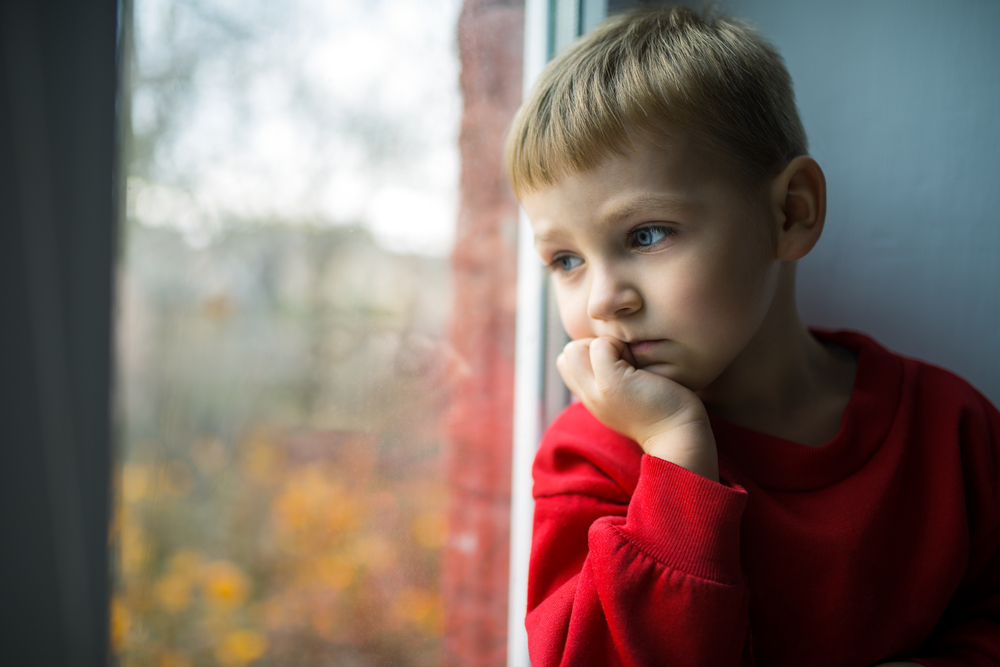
225,585
240,647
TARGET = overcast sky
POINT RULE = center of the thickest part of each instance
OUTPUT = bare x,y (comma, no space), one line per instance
315,111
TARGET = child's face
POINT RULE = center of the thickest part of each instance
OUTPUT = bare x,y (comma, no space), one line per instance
664,250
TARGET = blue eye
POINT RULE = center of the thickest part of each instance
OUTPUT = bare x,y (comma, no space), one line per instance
565,263
648,236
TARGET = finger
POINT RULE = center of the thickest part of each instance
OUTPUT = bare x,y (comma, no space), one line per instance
603,355
629,357
563,366
622,348
574,366
607,364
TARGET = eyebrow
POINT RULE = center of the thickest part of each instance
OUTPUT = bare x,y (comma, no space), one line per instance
646,203
631,208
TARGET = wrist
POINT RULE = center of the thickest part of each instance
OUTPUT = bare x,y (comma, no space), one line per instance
690,445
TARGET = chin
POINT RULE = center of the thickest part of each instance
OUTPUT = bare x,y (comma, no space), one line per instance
672,372
669,371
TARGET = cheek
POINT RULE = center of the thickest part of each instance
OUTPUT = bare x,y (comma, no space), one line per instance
573,313
698,299
728,295
754,279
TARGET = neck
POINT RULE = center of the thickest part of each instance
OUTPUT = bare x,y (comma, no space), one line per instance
785,382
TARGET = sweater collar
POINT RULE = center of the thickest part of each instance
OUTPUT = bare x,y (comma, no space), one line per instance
782,465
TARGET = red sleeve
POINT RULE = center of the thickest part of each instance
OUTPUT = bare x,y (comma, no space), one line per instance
969,631
631,569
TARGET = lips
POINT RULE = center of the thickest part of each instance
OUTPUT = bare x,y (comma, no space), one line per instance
641,347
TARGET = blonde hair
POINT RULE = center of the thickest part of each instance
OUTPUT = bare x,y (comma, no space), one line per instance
648,72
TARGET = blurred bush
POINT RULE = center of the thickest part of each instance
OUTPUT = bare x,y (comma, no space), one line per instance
280,498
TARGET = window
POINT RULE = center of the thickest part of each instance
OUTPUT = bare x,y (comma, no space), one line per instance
289,358
57,111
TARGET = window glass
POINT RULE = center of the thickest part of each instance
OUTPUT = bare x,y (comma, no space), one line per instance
284,303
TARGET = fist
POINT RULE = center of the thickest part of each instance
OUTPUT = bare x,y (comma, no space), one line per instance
665,418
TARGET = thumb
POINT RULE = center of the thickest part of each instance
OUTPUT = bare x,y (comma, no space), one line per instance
607,362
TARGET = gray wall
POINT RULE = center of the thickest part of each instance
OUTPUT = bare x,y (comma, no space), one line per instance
901,100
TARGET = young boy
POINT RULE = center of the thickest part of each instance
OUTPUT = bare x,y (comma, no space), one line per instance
732,489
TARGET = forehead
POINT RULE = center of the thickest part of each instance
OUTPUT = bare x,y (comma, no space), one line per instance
678,176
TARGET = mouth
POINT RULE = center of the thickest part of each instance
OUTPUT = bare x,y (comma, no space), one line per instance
641,347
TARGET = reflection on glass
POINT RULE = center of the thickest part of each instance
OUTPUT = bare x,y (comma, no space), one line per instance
284,296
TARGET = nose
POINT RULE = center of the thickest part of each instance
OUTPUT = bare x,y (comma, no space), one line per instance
611,295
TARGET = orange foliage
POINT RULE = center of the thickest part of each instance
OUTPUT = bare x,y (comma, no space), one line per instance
330,553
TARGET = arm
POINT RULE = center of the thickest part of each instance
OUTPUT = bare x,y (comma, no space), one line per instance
968,633
651,579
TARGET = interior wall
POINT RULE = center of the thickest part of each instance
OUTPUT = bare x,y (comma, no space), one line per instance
900,99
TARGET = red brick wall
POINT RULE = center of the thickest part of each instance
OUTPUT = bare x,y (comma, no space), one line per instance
490,36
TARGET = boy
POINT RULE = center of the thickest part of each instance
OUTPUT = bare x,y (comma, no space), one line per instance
732,489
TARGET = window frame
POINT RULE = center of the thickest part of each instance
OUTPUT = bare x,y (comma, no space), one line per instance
539,393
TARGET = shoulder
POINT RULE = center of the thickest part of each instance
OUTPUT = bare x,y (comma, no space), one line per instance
893,377
944,425
949,410
936,396
952,418
953,415
578,454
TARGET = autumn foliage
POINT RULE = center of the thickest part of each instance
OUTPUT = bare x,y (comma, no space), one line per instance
267,514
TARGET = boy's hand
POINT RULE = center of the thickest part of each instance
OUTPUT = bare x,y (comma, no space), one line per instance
666,419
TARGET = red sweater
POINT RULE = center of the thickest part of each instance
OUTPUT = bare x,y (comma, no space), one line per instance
882,544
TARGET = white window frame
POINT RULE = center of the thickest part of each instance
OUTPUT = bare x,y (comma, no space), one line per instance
549,25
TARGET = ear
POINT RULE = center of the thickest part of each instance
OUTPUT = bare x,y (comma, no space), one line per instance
798,200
